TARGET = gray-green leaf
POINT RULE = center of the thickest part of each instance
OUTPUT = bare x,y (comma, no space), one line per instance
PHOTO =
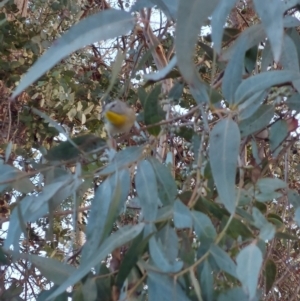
249,262
223,154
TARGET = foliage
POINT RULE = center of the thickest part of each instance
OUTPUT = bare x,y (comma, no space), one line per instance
201,201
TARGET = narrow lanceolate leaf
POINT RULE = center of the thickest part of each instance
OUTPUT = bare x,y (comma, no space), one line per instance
255,34
223,153
249,262
169,7
223,260
52,269
278,132
191,16
289,58
117,239
218,20
104,25
270,273
146,187
263,81
162,287
271,14
259,120
167,189
234,72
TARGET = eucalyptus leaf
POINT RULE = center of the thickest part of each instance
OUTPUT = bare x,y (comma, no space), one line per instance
271,14
161,250
218,20
122,159
257,121
249,262
234,72
278,133
108,199
52,269
223,154
293,102
203,226
189,21
270,184
182,216
289,58
117,239
153,112
162,72
223,260
206,280
270,274
262,81
146,187
162,287
104,25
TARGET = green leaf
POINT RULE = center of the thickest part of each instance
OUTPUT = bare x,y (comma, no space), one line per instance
293,102
282,235
169,7
289,58
167,189
237,228
153,112
251,105
206,280
104,25
267,230
31,210
269,185
234,72
11,176
52,269
297,216
66,151
162,73
162,288
263,81
123,158
250,59
224,262
235,294
163,250
146,187
278,133
257,121
117,239
255,34
131,257
267,57
294,198
45,293
271,14
182,216
114,190
218,20
89,289
203,226
249,262
270,274
223,154
189,21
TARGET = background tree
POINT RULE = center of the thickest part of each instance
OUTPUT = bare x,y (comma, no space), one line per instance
201,201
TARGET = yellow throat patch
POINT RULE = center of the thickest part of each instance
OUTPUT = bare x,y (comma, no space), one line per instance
115,118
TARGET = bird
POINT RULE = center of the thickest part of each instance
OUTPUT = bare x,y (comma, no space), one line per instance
119,117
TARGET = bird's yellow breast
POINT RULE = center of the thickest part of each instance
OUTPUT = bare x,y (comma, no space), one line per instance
115,118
